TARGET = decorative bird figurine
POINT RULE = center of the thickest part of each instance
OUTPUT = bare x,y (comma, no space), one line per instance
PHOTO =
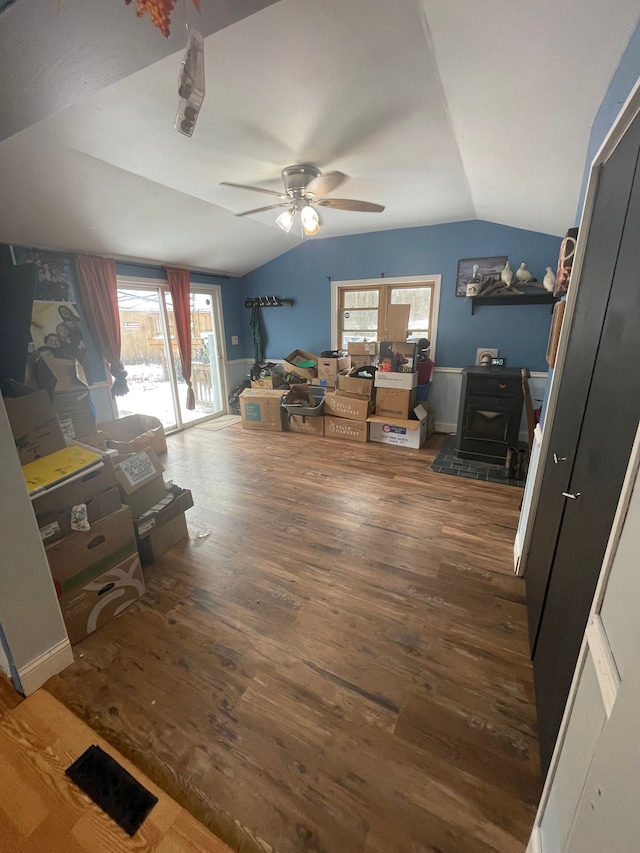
549,281
523,275
507,275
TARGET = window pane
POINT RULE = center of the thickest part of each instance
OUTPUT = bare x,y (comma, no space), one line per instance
205,376
367,320
360,298
144,356
420,300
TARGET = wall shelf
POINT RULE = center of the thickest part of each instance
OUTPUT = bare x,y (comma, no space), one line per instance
525,299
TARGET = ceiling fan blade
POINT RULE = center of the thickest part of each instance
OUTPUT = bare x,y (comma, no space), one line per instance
253,189
323,184
349,204
260,209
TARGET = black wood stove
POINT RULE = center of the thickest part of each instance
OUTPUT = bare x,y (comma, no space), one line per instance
490,413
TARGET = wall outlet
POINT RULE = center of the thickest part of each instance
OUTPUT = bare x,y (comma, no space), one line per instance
234,340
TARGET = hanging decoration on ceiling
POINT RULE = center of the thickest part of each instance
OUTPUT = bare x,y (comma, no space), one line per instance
160,11
190,85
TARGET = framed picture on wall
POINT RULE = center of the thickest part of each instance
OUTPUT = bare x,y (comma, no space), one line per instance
472,269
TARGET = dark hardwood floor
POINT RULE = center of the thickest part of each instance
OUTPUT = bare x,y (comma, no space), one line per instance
340,666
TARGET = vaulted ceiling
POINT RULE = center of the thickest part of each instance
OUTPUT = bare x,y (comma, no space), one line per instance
439,110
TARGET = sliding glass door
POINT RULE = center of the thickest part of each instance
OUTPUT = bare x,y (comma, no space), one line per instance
151,356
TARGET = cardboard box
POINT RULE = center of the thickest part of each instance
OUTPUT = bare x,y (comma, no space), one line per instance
97,441
65,381
276,381
162,539
55,375
329,368
73,410
55,525
176,502
33,421
80,557
261,409
335,427
397,322
323,382
101,599
403,432
134,433
398,356
310,426
301,355
394,402
351,386
347,407
362,360
362,348
77,491
404,381
140,480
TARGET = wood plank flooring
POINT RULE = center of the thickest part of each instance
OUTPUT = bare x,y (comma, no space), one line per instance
9,696
341,666
42,811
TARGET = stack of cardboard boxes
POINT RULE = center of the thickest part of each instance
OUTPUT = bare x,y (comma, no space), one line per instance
349,401
399,420
98,512
158,510
347,408
87,533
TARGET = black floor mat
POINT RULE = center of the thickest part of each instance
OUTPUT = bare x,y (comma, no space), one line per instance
446,462
111,787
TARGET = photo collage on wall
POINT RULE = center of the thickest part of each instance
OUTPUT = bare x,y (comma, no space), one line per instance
56,328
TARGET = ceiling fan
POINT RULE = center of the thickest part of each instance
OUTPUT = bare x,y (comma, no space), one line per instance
304,188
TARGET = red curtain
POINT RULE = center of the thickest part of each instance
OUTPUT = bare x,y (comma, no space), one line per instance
99,294
180,289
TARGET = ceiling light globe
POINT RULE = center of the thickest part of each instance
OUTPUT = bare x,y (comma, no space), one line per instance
310,220
285,220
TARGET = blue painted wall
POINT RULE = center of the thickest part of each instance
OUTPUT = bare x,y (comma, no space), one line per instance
519,331
621,85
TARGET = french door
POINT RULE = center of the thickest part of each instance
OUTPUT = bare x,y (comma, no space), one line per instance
151,356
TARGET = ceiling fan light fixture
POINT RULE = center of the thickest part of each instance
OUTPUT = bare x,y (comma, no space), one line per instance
285,220
310,220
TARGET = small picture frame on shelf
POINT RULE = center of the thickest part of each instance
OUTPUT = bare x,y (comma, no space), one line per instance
482,267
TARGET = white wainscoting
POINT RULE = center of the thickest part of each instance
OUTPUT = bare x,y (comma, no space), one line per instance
237,371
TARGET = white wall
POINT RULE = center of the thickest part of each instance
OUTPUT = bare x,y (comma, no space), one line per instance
61,52
29,613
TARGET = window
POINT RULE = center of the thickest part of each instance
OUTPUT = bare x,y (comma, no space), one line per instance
361,309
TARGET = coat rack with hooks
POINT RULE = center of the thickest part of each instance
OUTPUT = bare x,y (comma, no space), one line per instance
267,302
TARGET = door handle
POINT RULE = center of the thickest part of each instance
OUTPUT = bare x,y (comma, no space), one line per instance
558,459
573,496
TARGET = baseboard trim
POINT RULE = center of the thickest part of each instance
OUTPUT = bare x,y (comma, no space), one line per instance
54,660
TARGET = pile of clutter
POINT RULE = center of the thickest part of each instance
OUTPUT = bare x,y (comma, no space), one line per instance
98,493
372,392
